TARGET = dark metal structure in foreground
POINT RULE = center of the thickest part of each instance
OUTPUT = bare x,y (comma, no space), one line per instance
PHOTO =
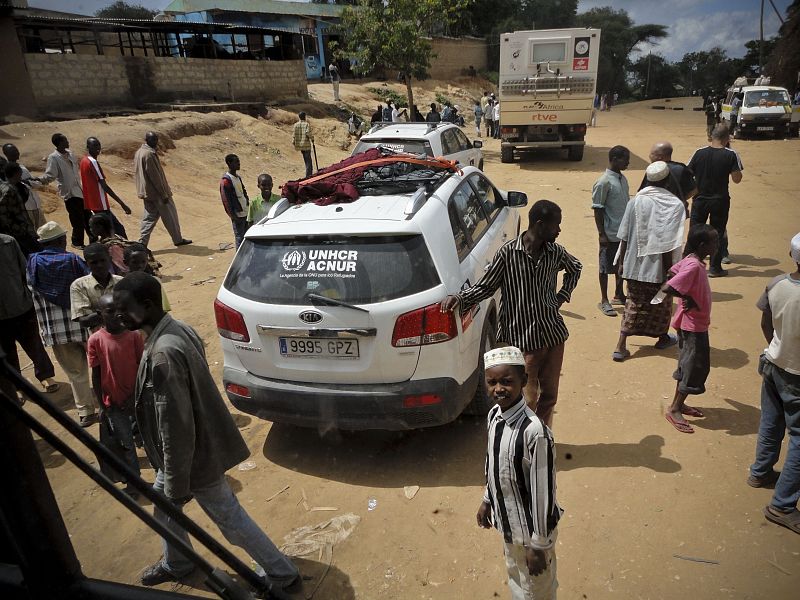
37,559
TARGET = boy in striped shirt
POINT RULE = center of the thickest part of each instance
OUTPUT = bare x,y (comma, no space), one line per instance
520,495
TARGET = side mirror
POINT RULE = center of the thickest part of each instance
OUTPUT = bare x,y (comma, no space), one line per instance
517,199
477,144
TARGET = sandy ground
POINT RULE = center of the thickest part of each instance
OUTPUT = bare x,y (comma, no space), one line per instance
636,492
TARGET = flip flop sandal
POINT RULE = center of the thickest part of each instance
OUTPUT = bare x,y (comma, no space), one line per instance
620,356
680,426
51,388
691,411
606,309
660,345
618,301
790,520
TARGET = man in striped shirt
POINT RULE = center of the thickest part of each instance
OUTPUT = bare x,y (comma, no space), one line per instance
520,494
525,269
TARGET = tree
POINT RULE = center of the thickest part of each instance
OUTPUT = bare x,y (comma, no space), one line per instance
390,35
655,77
618,39
784,64
123,10
710,70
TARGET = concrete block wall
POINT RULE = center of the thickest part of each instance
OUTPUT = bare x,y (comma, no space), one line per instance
69,81
81,81
455,55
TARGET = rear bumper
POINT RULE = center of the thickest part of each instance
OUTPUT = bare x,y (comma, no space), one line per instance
350,407
559,144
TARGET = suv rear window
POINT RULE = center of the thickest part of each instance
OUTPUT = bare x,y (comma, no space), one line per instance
398,145
356,270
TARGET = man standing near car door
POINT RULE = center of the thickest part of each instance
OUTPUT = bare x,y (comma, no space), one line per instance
525,269
153,189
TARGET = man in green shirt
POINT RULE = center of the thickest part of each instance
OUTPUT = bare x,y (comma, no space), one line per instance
260,205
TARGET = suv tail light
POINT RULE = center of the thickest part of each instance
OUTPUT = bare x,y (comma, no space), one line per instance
428,325
230,323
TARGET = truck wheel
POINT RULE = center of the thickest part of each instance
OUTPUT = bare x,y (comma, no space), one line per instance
575,153
481,403
506,154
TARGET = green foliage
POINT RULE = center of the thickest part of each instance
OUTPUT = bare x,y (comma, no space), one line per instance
123,10
387,94
390,37
710,71
443,100
493,17
618,39
663,80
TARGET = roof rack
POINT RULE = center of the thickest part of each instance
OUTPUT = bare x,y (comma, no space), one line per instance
280,207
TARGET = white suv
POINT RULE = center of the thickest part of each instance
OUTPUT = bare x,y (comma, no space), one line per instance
430,139
329,315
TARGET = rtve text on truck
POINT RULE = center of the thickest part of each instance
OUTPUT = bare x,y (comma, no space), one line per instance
546,86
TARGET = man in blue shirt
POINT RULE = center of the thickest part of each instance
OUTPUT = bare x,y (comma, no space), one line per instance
610,196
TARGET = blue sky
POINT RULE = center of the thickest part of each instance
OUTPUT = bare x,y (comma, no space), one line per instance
693,24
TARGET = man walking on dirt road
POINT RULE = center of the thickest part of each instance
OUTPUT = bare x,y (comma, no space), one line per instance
189,435
153,189
780,396
712,166
302,140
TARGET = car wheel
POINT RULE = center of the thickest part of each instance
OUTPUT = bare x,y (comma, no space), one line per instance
481,403
575,153
506,154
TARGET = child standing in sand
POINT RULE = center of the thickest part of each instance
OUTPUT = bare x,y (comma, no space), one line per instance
689,281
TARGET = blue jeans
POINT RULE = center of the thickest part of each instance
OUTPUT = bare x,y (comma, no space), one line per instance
239,229
122,427
222,507
780,410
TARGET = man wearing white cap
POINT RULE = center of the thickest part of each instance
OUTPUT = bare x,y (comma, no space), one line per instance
50,274
651,235
520,494
780,396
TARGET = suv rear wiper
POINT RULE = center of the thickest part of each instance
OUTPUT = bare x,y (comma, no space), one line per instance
333,302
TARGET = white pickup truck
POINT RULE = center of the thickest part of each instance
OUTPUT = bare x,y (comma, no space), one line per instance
547,84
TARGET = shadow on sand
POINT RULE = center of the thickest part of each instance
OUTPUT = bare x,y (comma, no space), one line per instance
646,453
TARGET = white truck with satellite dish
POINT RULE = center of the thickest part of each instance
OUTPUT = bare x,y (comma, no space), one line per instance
547,86
757,109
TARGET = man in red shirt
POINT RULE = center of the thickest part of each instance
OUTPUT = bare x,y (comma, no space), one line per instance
95,188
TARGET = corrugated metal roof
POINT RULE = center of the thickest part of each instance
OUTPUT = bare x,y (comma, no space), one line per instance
98,23
274,7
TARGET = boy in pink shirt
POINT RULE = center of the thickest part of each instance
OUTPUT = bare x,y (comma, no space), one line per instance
689,281
114,353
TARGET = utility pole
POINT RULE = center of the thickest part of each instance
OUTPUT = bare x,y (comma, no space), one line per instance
761,43
647,85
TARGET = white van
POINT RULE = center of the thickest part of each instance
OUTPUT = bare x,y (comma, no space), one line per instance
755,110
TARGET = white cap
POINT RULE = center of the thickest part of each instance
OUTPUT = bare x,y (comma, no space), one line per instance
50,231
657,171
503,356
796,248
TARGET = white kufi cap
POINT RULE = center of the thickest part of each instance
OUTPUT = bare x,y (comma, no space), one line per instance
657,171
503,356
796,248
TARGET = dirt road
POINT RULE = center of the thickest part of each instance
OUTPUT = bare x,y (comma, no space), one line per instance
636,492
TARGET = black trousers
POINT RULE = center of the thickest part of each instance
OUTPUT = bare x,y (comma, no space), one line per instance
25,330
713,210
78,220
309,165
